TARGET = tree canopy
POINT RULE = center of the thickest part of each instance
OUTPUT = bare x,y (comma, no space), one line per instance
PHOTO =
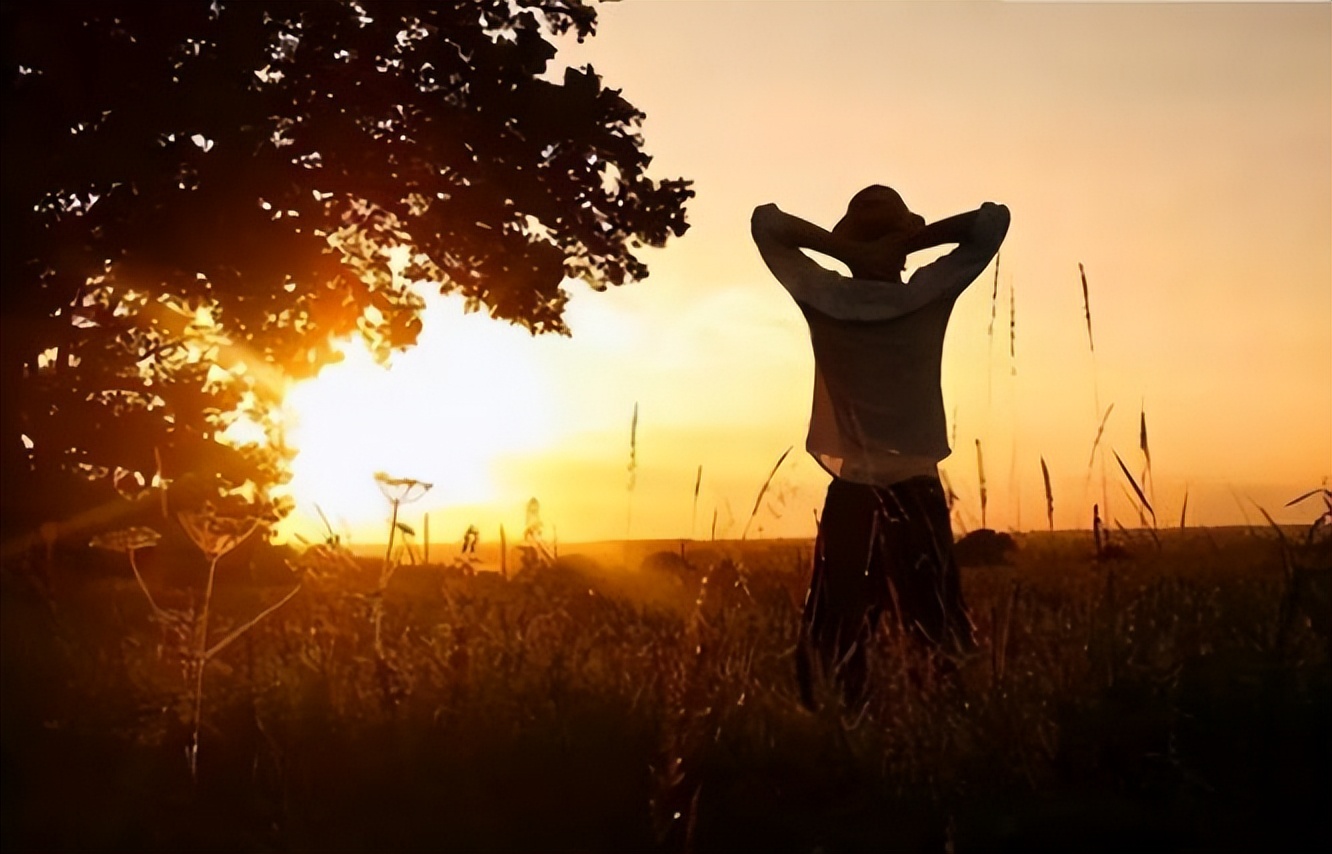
200,198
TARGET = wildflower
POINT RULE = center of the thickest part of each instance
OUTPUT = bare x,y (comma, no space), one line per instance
126,540
216,535
401,490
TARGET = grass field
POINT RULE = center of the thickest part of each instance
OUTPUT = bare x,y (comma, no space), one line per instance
640,697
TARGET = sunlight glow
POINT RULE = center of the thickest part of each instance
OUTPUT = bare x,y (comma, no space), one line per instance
445,412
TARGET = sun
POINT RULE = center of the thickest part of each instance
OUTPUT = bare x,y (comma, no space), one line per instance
448,411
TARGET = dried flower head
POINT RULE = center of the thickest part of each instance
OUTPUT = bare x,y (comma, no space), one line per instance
126,540
216,535
401,490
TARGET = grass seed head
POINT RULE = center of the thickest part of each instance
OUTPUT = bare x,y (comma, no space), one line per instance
1049,494
1086,307
980,474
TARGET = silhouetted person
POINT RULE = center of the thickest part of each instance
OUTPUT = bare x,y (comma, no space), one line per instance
877,422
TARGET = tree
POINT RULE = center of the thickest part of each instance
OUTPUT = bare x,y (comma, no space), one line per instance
199,198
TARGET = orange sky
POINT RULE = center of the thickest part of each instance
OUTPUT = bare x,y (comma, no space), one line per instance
1181,152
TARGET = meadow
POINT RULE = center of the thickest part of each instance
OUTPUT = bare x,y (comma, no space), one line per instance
640,696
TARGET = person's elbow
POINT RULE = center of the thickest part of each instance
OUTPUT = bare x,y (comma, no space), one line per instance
764,219
998,214
991,225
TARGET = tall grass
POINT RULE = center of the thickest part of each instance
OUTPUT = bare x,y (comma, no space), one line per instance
1096,387
989,333
1015,483
1012,327
758,500
1096,445
693,513
1139,702
1148,481
1086,309
1049,494
1324,521
1137,490
633,472
980,476
1144,504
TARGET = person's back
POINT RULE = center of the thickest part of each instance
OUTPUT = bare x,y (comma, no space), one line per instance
877,388
877,420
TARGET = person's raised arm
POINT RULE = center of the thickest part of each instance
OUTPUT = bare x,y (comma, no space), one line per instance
953,229
877,292
780,236
978,235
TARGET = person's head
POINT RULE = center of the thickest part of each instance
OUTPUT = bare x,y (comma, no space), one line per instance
877,212
878,215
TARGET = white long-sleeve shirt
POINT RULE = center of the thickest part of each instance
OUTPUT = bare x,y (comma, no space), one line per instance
877,415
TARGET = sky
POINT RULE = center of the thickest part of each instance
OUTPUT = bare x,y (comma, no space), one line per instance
1181,153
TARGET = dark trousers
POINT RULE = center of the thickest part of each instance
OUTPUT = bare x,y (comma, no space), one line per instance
879,549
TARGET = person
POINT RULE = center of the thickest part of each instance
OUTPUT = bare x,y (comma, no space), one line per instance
877,423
